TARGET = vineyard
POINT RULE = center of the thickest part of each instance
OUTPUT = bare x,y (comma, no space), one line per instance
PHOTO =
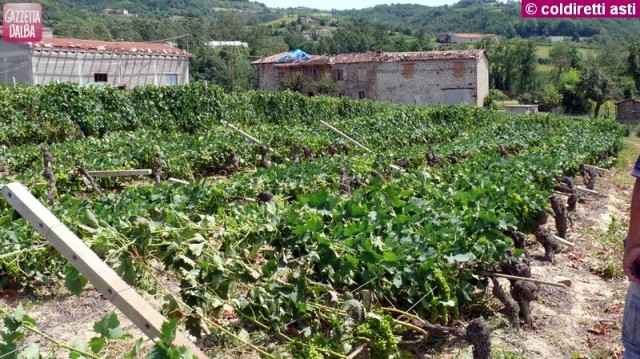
304,245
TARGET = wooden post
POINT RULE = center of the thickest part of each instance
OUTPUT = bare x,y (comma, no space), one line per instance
105,279
343,135
500,275
120,173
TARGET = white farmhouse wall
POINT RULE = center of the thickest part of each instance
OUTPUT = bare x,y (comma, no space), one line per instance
128,69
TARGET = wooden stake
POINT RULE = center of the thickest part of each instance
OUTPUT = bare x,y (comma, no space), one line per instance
120,173
343,135
175,180
244,134
105,279
587,190
500,275
564,241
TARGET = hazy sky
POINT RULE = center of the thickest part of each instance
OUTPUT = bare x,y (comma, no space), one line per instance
346,4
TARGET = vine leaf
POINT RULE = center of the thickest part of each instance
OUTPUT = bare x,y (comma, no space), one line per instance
135,351
31,351
168,331
73,280
79,345
109,327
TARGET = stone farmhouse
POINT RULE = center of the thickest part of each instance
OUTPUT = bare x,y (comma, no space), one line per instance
433,77
628,112
127,64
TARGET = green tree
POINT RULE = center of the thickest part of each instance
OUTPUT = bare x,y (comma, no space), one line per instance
596,86
633,63
551,96
563,57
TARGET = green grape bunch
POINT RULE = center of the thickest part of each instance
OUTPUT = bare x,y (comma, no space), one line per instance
378,331
303,350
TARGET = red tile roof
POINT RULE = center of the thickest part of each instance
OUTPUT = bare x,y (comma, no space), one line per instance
77,45
377,57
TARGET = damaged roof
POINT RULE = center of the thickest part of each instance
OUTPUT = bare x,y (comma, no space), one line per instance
376,57
77,45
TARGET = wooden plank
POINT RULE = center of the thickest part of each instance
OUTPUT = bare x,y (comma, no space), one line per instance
564,241
105,279
120,173
175,180
343,135
500,275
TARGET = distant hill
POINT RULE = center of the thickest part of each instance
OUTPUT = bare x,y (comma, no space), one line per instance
493,17
166,8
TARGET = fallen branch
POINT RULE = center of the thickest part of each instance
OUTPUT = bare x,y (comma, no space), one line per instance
86,175
477,334
500,275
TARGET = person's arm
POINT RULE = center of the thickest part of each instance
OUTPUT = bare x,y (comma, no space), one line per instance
632,249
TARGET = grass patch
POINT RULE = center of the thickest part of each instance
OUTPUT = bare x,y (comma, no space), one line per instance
544,68
627,157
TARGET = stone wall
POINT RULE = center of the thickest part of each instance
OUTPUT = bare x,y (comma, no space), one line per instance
411,82
628,112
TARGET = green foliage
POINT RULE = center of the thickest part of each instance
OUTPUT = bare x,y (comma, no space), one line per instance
277,263
551,96
326,86
492,97
295,81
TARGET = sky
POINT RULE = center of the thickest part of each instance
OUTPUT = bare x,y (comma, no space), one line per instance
346,4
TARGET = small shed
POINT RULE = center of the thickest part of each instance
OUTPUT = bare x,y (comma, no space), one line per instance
522,109
628,112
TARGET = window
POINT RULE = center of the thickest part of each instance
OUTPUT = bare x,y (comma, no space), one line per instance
408,71
361,95
100,77
340,74
172,79
314,73
458,69
280,75
342,94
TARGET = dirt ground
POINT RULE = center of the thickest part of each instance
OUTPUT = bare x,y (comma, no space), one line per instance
580,321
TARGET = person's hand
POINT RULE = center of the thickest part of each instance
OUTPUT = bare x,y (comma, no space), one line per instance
630,262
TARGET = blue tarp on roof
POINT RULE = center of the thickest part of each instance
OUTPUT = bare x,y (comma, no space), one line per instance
295,55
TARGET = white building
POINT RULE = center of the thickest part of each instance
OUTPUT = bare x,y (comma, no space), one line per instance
93,62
